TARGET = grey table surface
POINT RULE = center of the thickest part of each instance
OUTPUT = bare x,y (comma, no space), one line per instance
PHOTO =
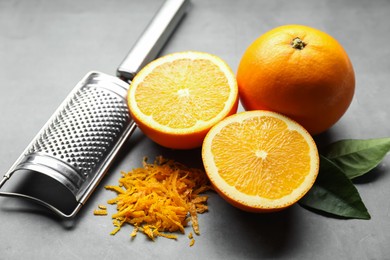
46,47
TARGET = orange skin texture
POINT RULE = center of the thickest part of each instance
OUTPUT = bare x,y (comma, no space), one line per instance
244,207
176,141
314,85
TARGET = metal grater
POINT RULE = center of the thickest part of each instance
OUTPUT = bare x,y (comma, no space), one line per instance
81,137
79,142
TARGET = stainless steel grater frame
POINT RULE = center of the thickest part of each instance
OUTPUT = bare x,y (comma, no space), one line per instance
81,139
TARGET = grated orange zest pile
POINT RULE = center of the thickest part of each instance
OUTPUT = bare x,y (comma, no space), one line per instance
160,198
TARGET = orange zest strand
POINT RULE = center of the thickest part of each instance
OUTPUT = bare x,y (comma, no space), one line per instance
100,212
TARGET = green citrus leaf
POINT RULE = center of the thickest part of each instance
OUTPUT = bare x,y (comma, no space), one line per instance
334,193
357,157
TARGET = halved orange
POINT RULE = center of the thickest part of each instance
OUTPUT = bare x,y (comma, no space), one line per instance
260,160
176,99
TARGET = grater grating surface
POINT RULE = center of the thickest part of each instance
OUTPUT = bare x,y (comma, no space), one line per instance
87,127
80,140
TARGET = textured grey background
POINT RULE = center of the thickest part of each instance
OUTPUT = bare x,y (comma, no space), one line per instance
46,47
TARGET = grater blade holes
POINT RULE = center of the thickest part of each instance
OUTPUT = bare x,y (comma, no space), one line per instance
83,132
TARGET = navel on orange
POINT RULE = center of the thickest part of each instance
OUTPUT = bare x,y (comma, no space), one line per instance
177,98
260,161
300,72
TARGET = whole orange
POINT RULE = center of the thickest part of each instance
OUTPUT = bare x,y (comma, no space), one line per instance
300,72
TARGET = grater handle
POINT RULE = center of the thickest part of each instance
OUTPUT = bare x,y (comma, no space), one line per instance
153,39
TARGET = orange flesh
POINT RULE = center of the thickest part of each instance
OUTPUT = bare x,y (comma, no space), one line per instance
183,92
263,164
